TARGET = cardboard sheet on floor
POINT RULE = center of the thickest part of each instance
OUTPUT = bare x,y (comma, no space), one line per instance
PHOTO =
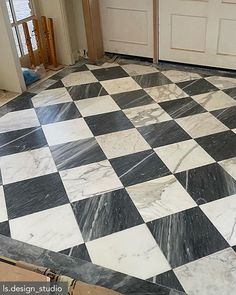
10,273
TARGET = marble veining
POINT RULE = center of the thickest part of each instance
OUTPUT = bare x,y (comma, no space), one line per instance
181,238
51,97
215,100
222,82
165,92
77,153
222,214
201,124
90,180
44,229
18,120
181,76
79,78
184,155
211,275
122,143
26,165
146,115
160,197
105,214
96,105
130,251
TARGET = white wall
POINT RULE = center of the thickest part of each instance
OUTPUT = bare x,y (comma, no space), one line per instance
11,77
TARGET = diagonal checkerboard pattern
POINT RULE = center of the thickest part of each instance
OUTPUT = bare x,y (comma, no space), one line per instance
128,166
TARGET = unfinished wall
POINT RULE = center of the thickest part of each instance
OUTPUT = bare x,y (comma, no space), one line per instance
79,24
56,9
11,78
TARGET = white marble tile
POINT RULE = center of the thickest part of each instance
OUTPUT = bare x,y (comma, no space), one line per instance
79,78
135,69
103,66
3,208
54,229
230,166
182,156
222,213
214,100
96,105
66,131
26,165
50,97
180,76
90,180
122,143
18,120
120,85
211,275
165,92
133,251
234,130
160,197
146,115
222,82
201,125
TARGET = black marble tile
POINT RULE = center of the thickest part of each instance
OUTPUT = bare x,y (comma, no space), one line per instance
234,248
21,102
151,80
167,279
139,167
220,146
227,116
105,214
194,87
79,251
231,92
21,140
34,195
82,68
77,153
183,107
132,99
163,133
57,113
86,91
58,84
108,123
80,270
5,229
186,236
109,73
207,183
63,73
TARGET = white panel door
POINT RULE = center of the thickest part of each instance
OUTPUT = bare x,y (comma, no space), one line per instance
127,26
198,32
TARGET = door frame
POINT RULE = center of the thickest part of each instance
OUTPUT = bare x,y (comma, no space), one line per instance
94,30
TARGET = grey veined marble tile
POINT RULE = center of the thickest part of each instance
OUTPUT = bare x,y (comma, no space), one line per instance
211,275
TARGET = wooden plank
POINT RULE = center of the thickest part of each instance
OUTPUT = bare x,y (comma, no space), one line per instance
155,31
93,29
46,36
39,41
29,44
52,42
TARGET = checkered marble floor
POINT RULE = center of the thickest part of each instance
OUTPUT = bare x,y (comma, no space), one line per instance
129,167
